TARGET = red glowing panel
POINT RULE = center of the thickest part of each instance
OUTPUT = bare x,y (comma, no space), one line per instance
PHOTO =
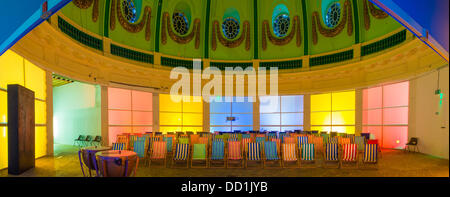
119,99
119,117
142,129
372,98
142,118
114,131
376,131
142,101
395,136
397,115
372,117
396,95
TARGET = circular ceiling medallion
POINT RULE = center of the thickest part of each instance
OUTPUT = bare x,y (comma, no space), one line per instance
180,23
129,10
333,15
230,28
281,25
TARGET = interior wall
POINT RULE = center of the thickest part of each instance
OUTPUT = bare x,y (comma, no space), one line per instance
430,116
76,111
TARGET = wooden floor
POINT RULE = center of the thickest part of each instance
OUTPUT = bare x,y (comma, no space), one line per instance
394,163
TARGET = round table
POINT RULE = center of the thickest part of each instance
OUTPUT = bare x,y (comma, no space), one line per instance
117,163
87,154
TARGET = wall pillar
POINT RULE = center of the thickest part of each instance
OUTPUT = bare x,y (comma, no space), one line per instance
155,101
358,111
49,103
104,116
206,120
256,123
307,112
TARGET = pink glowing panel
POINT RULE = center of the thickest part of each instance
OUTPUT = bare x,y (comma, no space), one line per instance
119,99
396,95
114,131
375,130
372,98
372,117
143,129
117,117
142,118
142,101
395,136
395,116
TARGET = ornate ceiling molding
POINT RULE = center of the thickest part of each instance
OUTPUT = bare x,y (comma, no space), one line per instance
376,13
231,43
130,27
281,41
166,26
85,4
346,19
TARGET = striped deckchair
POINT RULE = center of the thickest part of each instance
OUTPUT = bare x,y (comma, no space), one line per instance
131,139
151,140
245,141
289,155
123,139
271,153
307,155
203,140
246,135
234,136
318,143
271,136
235,154
159,152
261,136
311,138
344,140
183,140
278,142
118,146
217,153
302,140
333,140
194,138
232,139
370,155
360,141
349,155
139,148
199,156
325,137
254,154
169,143
260,140
289,140
331,154
181,154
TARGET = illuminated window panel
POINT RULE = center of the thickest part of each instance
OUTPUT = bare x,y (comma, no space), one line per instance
281,111
40,110
35,80
193,105
192,129
219,107
291,118
166,104
117,117
321,128
343,101
231,107
11,66
3,147
292,103
219,119
166,129
40,136
142,129
192,119
222,129
395,116
119,99
396,95
116,130
142,118
170,118
320,102
142,101
182,115
343,129
3,107
343,118
395,136
372,117
270,119
269,104
242,107
243,119
372,98
320,118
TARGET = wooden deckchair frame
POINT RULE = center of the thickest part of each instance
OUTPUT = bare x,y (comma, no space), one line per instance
150,159
308,163
237,161
365,165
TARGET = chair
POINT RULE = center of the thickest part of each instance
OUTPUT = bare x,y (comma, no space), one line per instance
370,156
79,140
412,142
318,144
199,156
235,155
131,140
333,140
349,155
97,141
88,140
271,151
289,155
289,140
278,142
158,153
118,146
307,155
331,154
245,141
360,141
181,155
375,141
203,140
139,148
344,140
183,140
302,140
217,153
254,154
169,143
366,135
260,140
123,139
194,138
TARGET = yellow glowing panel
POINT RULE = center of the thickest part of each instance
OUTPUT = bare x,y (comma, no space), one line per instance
3,147
41,141
167,105
169,118
343,101
343,118
11,69
191,105
35,80
193,129
40,111
3,107
321,128
321,102
320,118
344,129
169,129
192,119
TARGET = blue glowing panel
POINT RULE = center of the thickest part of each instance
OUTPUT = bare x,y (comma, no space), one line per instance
242,105
270,129
243,129
223,129
292,119
268,104
269,119
292,103
243,119
291,128
220,107
219,119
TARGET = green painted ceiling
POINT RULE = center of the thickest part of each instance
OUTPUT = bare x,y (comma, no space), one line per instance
359,22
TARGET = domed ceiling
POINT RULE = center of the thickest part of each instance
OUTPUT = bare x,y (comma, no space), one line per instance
231,29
